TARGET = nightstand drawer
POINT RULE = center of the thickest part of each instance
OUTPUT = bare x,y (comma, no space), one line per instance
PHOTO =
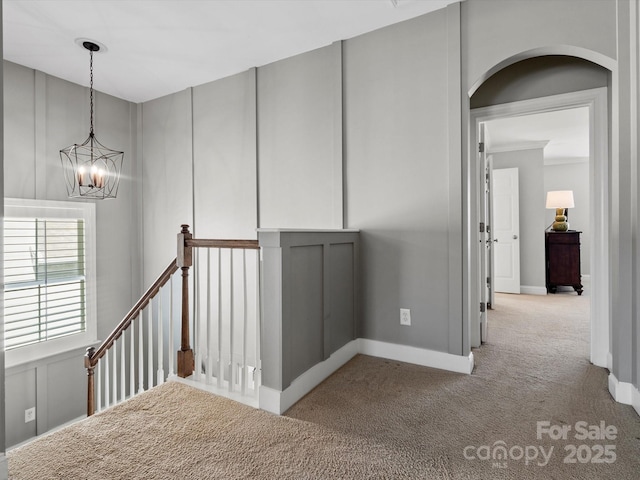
564,237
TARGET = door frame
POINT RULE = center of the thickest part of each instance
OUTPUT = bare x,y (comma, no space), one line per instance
596,101
483,244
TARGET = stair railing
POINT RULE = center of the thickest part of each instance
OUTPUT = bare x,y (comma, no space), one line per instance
107,351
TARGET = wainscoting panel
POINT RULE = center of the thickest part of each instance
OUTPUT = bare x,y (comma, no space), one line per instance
309,291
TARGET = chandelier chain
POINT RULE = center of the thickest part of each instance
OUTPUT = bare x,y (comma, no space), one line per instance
91,89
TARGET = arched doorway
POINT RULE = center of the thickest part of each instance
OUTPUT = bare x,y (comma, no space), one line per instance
541,83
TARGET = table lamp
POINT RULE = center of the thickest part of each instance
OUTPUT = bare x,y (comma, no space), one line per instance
562,201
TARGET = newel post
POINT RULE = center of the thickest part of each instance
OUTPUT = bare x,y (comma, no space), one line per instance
185,260
91,400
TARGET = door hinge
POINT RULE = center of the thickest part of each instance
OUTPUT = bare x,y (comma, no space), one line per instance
483,307
481,227
488,280
481,147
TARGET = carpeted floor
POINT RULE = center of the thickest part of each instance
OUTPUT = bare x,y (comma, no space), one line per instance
378,418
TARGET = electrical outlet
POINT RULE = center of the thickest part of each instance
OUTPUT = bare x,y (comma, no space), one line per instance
405,316
29,414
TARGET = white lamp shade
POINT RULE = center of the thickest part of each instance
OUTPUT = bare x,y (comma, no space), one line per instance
560,199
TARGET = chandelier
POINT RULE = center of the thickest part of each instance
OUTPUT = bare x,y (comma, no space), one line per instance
91,170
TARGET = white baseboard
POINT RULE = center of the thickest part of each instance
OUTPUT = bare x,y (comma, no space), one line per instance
4,467
622,392
270,400
635,400
418,356
221,392
531,290
278,402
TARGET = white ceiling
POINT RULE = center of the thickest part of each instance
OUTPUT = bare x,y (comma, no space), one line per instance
158,47
564,134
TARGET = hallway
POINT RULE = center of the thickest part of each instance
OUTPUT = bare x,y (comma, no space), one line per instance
534,368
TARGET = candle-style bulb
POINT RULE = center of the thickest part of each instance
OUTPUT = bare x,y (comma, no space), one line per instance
94,176
80,175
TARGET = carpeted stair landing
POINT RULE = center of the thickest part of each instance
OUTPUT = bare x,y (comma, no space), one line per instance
376,419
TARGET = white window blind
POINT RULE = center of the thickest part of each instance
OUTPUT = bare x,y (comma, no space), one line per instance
44,279
49,278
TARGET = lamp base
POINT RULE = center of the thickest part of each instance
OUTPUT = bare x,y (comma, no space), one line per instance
560,224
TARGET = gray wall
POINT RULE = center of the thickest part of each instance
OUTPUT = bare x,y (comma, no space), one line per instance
224,145
300,141
624,231
167,178
389,179
43,114
400,163
3,443
635,360
397,179
497,33
401,154
532,215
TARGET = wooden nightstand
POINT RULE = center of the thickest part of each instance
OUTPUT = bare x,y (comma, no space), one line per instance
562,258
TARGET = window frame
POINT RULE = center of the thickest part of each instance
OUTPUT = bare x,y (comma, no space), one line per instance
18,207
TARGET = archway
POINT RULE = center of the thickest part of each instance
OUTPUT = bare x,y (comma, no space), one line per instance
596,101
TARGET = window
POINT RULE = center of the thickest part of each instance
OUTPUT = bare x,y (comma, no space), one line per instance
49,278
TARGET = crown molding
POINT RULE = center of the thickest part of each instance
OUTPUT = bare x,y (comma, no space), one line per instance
516,147
565,161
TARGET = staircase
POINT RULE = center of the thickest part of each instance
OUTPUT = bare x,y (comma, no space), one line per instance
216,309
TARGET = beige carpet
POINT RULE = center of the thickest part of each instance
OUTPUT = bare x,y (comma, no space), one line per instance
374,418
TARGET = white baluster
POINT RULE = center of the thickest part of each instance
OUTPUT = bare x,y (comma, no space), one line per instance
209,378
196,319
132,361
243,369
140,354
114,373
150,345
107,379
231,322
257,372
123,376
99,386
220,360
172,349
160,341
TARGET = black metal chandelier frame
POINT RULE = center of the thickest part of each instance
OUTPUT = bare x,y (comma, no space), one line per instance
91,170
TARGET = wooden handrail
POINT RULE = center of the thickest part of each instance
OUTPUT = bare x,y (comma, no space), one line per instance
92,355
205,243
134,312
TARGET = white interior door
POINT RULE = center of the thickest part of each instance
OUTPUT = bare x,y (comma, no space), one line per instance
506,230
